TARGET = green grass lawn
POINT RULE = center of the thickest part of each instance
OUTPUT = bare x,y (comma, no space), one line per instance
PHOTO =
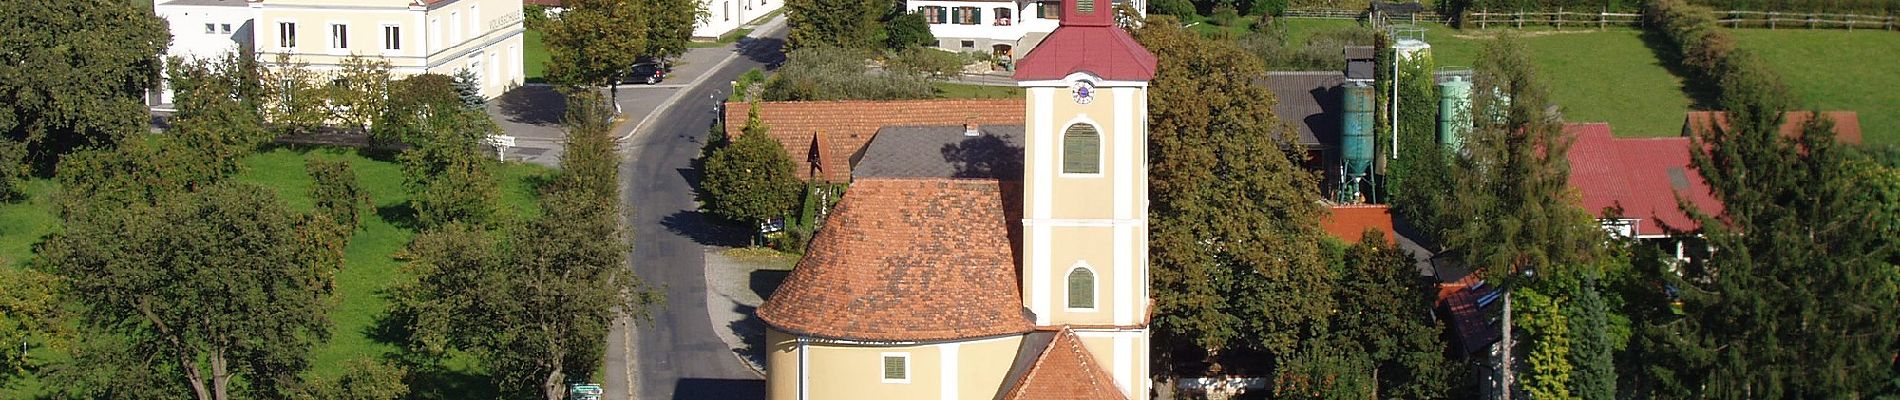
1596,76
24,222
948,90
534,56
1835,69
369,266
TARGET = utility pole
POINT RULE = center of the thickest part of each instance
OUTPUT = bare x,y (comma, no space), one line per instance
1504,364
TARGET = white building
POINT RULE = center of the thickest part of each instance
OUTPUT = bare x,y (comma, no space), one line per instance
205,29
413,36
1001,28
724,16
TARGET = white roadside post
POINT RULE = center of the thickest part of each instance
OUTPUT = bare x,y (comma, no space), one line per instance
501,143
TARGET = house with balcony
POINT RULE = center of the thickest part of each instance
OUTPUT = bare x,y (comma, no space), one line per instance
1003,29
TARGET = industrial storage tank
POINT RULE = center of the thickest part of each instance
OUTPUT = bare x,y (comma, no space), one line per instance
1454,112
1356,139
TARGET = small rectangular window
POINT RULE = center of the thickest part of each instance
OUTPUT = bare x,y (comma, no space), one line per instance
455,28
224,28
896,367
392,37
968,44
211,28
339,36
1049,11
287,35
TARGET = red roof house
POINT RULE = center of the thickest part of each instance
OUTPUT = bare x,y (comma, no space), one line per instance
1350,222
829,135
1643,176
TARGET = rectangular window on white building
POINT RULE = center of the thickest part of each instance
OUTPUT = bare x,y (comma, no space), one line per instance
392,37
455,28
211,28
224,28
339,36
896,367
287,35
474,21
725,11
435,34
932,14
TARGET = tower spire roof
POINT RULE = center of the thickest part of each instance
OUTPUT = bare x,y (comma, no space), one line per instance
1087,40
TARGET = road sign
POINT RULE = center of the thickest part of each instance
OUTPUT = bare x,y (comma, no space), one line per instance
501,141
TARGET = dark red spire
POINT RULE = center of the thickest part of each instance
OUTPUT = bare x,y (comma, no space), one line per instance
1087,41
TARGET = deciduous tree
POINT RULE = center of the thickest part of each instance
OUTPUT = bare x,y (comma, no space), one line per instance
73,74
1234,248
591,40
834,23
670,25
1384,314
750,180
225,283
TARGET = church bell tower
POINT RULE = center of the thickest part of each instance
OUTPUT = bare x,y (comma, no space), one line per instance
1085,188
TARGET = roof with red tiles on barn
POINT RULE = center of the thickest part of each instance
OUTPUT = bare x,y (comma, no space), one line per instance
1065,371
1846,123
832,134
910,260
1643,176
1350,222
1087,42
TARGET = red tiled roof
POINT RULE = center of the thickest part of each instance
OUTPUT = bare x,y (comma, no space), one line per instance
1846,123
1087,43
1349,222
1065,371
909,260
839,130
1642,175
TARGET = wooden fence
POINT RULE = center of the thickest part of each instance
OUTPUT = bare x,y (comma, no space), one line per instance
1776,20
1603,19
1559,19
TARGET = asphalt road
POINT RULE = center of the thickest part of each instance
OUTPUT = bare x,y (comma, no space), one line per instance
676,353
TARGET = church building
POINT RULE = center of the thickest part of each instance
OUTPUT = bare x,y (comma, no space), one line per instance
987,261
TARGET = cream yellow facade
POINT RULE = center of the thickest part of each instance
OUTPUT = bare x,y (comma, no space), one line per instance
414,37
810,368
1078,222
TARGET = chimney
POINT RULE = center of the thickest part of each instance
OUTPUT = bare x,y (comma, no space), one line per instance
969,129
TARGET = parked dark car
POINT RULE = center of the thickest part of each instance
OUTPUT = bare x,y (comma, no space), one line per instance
644,72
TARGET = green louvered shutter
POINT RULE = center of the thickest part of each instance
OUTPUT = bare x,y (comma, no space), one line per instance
1081,150
956,15
1081,288
894,368
1040,12
976,16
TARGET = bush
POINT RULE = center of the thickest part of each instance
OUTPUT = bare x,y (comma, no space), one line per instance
1179,8
907,30
829,73
1224,15
930,63
1320,52
12,169
337,193
1262,8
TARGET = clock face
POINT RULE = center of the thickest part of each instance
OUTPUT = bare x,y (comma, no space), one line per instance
1083,91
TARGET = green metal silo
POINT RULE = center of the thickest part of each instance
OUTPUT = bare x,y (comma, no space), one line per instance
1454,112
1356,139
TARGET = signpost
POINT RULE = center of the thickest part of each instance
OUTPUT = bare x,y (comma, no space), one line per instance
501,143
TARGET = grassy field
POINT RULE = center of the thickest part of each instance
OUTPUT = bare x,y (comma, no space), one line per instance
369,263
1597,76
1838,70
534,56
947,90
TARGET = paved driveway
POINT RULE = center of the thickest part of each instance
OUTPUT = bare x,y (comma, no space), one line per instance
532,113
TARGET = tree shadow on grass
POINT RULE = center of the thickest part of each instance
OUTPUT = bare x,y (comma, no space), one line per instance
401,215
1705,93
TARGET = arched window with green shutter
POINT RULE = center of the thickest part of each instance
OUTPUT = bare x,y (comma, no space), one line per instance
1081,150
1081,288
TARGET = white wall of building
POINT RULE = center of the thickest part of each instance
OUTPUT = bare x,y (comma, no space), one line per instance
202,31
727,15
